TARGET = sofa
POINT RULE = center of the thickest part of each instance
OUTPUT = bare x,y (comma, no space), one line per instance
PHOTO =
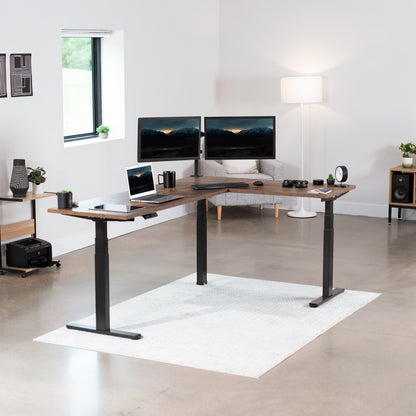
264,169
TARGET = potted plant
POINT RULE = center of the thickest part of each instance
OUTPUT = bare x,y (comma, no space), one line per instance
103,131
64,199
407,149
38,178
330,180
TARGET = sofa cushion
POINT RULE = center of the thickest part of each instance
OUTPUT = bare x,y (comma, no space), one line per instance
240,166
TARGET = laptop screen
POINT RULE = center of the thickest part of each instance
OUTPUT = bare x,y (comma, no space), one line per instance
140,180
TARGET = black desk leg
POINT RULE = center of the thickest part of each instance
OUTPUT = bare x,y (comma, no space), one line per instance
389,214
102,288
327,289
201,243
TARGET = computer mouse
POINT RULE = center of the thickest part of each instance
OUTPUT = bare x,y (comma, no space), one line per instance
258,183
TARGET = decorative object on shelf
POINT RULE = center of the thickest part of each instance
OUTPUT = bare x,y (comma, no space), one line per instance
64,199
330,180
21,75
103,131
19,184
341,175
407,149
3,85
37,178
301,90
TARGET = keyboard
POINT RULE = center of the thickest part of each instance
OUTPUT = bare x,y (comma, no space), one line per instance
220,185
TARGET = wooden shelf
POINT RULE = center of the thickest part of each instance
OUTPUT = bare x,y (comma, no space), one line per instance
30,196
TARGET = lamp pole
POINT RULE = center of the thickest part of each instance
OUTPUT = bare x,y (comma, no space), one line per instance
301,90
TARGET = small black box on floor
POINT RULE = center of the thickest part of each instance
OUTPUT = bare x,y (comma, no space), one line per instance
29,252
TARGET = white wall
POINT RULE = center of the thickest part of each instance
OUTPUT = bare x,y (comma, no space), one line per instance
171,63
364,51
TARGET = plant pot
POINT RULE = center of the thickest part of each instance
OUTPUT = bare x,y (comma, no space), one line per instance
407,162
37,189
103,135
64,200
330,181
19,184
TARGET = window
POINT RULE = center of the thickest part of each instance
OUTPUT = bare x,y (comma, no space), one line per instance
81,74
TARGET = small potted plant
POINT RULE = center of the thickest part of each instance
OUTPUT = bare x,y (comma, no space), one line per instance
330,180
103,131
64,199
37,178
407,149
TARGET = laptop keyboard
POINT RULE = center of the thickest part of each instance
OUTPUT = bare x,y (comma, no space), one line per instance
153,197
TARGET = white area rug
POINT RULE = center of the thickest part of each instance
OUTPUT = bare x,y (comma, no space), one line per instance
232,325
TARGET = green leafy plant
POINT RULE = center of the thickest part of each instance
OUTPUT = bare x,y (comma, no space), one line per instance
407,149
36,176
330,176
64,191
103,129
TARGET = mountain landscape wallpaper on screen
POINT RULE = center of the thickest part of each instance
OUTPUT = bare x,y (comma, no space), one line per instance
169,139
239,138
140,180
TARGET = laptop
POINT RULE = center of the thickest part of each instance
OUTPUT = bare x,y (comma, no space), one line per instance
141,185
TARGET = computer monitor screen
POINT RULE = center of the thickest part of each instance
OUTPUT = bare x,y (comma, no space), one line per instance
168,138
240,137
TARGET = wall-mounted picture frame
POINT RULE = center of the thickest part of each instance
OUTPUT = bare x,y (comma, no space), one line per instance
3,84
21,74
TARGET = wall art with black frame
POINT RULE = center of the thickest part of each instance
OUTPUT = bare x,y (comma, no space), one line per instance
3,85
21,75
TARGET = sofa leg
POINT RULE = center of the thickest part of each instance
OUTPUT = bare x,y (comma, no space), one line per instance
276,210
219,212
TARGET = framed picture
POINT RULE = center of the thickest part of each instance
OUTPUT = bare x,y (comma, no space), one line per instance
21,74
3,85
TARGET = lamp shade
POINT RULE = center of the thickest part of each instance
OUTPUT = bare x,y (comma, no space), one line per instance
301,89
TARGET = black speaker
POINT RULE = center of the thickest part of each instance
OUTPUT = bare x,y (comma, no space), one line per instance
402,188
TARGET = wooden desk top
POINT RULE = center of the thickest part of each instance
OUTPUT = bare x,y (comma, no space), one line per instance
191,195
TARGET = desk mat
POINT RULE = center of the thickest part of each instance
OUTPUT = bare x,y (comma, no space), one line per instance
233,325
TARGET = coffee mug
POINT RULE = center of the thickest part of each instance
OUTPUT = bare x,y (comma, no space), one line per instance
169,179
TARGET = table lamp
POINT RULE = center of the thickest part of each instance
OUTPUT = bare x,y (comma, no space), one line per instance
301,90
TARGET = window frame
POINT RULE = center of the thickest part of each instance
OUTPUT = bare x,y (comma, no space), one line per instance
96,92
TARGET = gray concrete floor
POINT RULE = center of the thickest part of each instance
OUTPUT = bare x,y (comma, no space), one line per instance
365,365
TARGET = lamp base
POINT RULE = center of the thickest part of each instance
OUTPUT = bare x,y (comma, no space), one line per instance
301,214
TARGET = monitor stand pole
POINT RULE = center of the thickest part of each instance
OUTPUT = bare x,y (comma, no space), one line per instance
196,169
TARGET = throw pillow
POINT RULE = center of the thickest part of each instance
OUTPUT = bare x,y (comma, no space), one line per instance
240,166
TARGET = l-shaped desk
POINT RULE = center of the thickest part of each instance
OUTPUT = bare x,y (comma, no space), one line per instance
183,187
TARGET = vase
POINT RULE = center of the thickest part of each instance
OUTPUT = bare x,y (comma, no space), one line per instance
103,135
64,200
37,189
407,162
19,184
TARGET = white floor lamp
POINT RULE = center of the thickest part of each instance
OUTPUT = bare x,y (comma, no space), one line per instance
301,90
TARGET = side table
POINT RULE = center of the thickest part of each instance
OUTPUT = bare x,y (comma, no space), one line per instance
22,228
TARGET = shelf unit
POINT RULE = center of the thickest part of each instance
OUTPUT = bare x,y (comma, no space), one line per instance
399,205
21,229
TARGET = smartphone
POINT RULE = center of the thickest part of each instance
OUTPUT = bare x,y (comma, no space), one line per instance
115,207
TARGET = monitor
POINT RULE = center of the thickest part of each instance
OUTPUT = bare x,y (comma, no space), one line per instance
168,138
249,137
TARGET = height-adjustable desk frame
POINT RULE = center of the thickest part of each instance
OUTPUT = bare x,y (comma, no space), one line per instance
102,275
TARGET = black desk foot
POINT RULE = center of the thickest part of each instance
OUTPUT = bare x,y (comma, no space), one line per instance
112,332
319,301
